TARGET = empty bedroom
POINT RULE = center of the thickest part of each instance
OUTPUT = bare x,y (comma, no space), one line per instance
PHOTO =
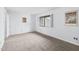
39,28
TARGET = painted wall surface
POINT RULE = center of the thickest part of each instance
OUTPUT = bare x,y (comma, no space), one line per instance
59,29
33,22
6,24
16,24
2,26
7,18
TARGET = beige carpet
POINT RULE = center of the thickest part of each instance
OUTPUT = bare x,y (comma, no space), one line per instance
36,42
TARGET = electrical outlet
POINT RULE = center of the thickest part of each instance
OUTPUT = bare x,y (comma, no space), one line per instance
75,38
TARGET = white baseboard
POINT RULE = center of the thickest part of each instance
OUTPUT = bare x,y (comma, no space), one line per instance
74,43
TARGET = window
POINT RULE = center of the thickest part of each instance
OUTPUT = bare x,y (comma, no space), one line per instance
44,21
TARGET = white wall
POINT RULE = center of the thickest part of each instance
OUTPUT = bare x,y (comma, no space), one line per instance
6,24
33,22
16,25
2,26
59,29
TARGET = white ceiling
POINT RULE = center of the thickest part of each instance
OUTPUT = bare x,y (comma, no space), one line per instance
32,10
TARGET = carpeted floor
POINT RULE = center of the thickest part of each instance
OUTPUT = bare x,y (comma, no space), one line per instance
36,42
